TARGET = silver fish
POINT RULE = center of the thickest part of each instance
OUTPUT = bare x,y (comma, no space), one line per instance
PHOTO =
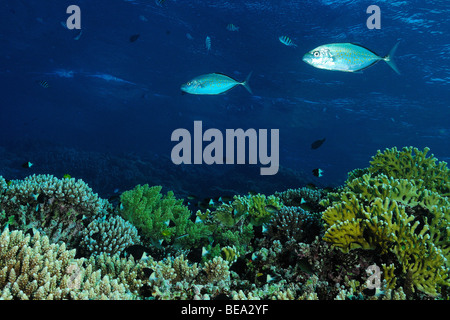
286,41
347,57
213,83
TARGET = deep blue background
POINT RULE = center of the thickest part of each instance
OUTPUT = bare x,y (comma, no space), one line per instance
115,134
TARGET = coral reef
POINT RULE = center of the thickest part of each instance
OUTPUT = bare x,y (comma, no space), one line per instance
108,235
397,216
57,207
61,241
412,164
160,218
34,268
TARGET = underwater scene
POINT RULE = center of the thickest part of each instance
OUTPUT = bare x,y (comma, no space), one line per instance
224,150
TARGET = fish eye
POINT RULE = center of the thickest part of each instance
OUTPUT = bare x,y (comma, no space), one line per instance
316,54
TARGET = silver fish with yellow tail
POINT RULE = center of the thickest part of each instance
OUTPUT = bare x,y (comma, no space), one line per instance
347,57
213,83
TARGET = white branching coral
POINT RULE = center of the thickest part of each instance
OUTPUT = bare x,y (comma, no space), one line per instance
56,207
108,235
34,268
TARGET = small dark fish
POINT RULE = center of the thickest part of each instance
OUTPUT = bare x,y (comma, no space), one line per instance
27,165
148,272
328,189
305,266
226,199
317,172
114,198
137,251
96,236
316,144
169,223
203,205
267,277
43,84
134,37
222,296
307,207
195,254
42,198
258,231
8,182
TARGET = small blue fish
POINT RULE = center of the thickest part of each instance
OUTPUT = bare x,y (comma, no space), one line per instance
287,41
232,27
213,83
347,57
208,43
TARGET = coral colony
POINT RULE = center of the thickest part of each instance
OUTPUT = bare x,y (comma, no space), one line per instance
382,235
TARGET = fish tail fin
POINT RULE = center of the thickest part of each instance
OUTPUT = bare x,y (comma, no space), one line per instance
245,83
390,58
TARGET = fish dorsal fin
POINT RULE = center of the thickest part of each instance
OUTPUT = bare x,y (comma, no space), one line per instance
361,46
225,75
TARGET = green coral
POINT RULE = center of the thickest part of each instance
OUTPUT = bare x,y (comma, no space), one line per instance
412,164
397,216
234,222
152,213
258,208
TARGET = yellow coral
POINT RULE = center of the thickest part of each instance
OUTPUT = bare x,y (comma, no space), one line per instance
412,164
385,224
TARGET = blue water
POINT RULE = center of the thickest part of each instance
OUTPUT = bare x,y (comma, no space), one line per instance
112,104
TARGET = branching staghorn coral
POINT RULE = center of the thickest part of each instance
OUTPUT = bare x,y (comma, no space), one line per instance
33,268
176,278
296,197
57,207
294,223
